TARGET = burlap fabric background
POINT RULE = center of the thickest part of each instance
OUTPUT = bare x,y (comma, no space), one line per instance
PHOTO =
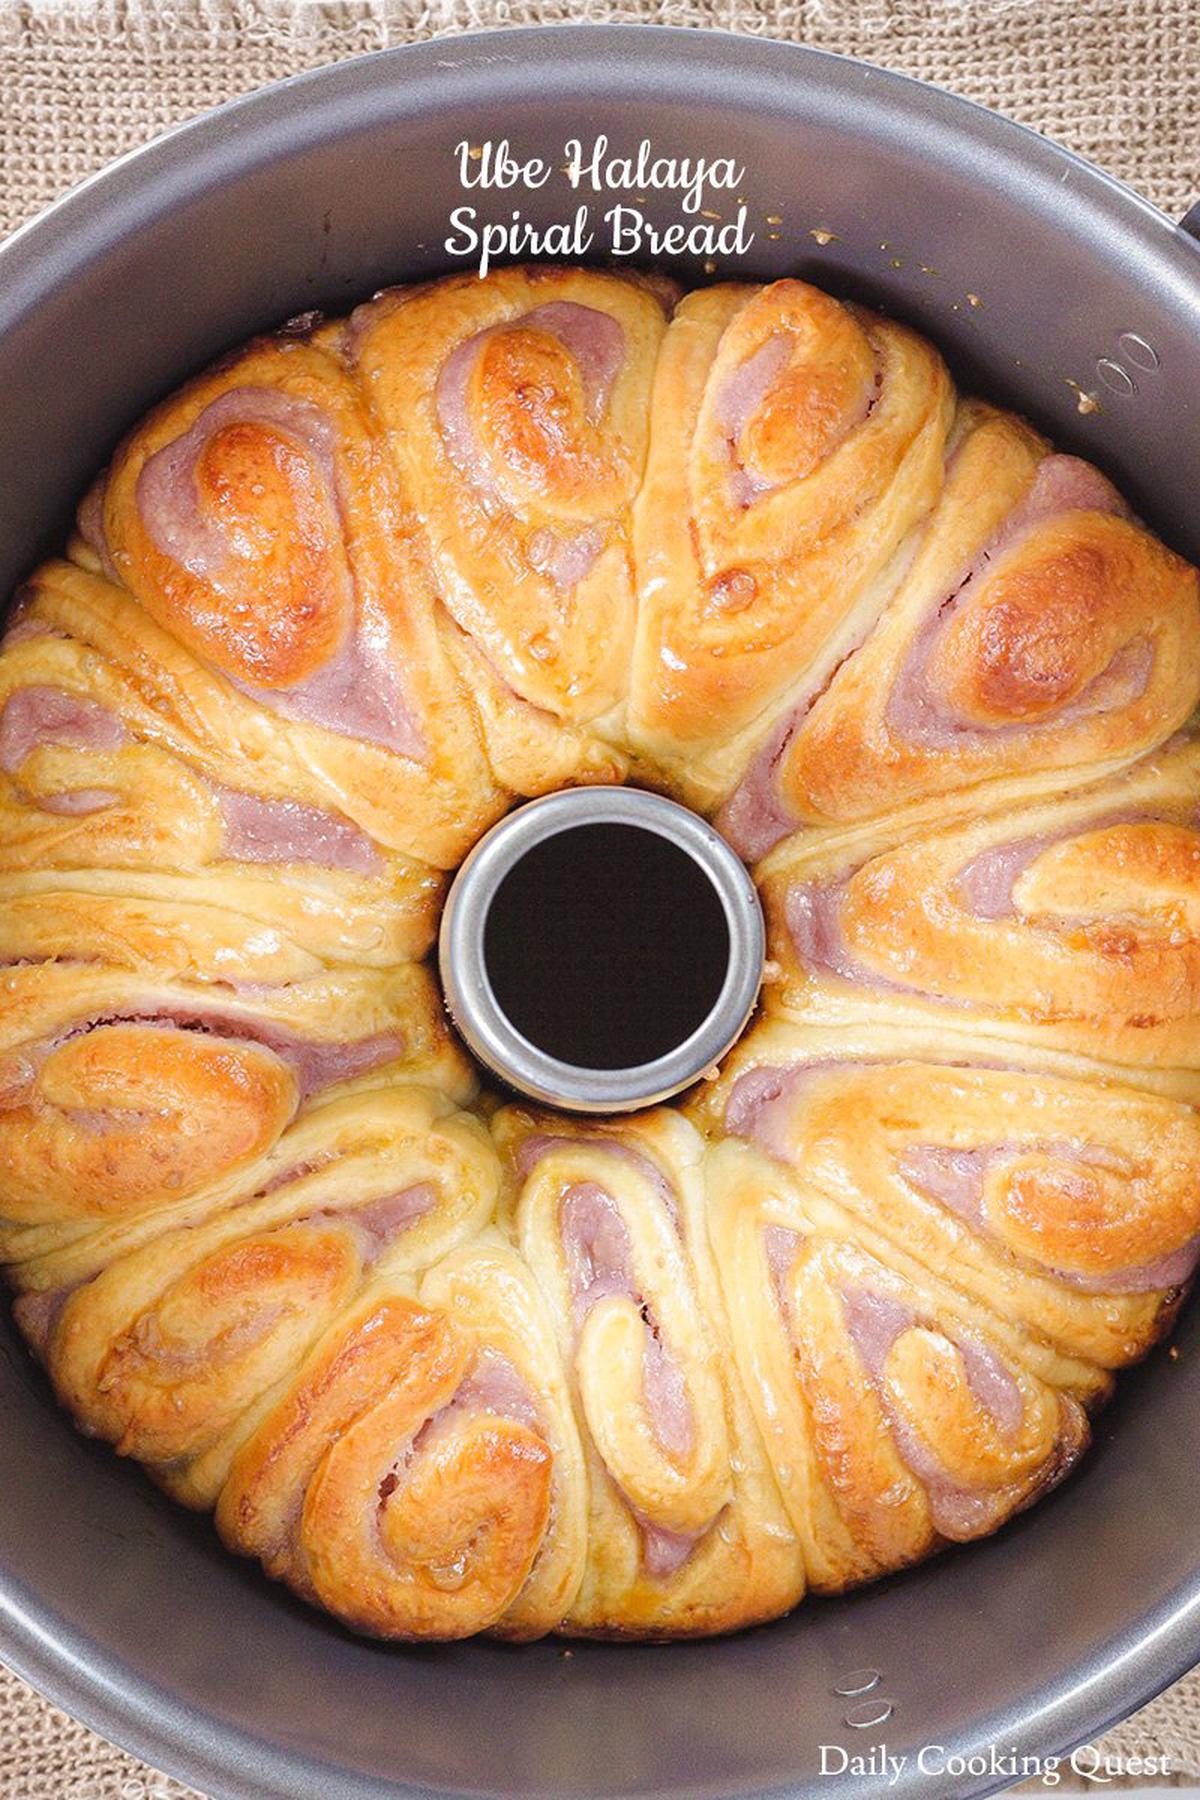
1117,80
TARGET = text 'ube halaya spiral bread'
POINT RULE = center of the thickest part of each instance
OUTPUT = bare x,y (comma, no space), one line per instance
446,1365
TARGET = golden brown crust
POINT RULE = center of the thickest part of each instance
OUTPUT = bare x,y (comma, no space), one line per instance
122,838
1069,922
517,410
685,1530
256,517
1015,646
118,1097
894,1424
1051,1191
335,606
366,1491
167,1349
794,442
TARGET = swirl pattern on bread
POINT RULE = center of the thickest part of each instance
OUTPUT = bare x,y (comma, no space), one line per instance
446,1366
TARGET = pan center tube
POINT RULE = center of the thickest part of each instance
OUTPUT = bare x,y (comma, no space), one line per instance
601,948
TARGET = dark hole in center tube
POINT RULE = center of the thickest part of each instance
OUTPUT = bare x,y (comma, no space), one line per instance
606,946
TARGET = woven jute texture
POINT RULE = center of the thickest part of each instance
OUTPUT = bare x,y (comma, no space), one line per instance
1117,80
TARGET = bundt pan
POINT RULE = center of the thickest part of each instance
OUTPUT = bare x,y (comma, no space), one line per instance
1050,287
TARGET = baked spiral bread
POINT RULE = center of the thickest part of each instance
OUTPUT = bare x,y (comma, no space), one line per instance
448,1366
